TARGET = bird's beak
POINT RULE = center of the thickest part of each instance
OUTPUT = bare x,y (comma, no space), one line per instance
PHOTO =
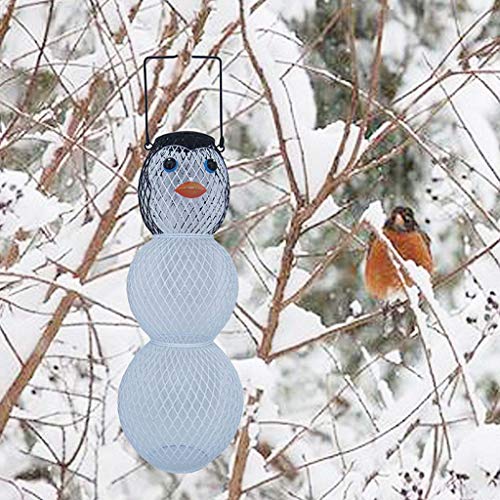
399,221
191,189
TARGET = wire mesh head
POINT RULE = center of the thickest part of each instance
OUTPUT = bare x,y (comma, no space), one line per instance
182,288
176,159
180,406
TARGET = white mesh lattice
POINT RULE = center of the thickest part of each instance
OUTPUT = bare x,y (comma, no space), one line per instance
180,400
180,406
182,289
164,210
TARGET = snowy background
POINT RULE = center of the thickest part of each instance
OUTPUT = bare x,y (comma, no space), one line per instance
335,111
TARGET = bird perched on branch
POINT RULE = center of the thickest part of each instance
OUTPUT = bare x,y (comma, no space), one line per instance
381,277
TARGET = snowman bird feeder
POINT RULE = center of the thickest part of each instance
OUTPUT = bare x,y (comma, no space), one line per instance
180,400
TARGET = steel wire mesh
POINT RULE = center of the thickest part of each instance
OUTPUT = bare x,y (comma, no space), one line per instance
165,211
180,406
180,400
182,288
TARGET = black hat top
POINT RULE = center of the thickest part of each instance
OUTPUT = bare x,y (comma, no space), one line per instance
186,139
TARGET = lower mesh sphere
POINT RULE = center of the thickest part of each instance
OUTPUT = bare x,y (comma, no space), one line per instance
179,406
182,288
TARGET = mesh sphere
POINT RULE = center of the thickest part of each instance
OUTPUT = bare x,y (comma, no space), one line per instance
177,159
180,407
182,289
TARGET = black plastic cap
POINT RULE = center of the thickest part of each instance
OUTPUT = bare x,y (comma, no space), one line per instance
186,139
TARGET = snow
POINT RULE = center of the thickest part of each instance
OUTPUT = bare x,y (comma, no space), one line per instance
296,326
317,149
356,308
270,47
478,459
394,41
292,11
254,374
374,215
326,210
256,469
393,357
23,206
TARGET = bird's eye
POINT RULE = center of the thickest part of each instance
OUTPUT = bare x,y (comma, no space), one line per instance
210,165
170,164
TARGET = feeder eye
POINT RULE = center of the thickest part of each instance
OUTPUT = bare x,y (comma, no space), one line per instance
170,164
210,165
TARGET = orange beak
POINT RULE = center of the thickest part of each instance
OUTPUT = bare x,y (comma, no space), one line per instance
191,189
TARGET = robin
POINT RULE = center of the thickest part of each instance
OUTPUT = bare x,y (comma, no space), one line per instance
381,277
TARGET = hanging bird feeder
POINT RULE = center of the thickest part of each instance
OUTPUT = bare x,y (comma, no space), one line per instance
180,401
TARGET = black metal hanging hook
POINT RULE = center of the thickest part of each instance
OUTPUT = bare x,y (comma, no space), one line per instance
148,144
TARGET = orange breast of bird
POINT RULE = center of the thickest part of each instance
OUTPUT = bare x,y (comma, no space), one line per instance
381,277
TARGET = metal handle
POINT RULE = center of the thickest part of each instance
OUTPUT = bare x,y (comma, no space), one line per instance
148,144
